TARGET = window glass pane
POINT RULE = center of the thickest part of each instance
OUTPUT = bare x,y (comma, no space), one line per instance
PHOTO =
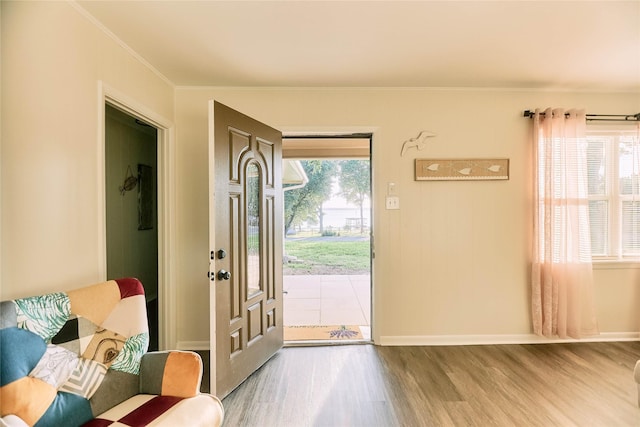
613,164
599,226
629,165
631,228
596,166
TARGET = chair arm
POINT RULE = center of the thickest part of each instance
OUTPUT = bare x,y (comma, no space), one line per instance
12,421
171,373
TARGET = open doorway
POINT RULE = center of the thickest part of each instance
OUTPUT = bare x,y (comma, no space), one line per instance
131,167
327,246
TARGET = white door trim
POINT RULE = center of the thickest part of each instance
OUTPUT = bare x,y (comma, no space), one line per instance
166,202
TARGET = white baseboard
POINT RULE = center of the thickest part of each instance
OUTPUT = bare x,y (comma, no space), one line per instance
193,345
416,340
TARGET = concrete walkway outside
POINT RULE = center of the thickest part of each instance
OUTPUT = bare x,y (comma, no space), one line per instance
328,300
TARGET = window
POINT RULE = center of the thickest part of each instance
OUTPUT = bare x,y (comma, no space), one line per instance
613,161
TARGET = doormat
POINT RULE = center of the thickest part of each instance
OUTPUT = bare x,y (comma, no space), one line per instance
318,332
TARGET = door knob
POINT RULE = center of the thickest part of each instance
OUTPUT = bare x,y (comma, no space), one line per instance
224,275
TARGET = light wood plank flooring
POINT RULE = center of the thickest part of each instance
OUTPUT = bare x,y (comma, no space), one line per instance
584,384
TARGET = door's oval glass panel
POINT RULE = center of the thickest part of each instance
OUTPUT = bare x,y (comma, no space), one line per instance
253,198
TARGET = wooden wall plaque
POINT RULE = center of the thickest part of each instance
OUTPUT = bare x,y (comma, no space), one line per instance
461,169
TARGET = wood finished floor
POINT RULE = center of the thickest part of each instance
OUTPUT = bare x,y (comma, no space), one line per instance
585,384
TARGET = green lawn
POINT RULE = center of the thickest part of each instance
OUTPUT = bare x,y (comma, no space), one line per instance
328,255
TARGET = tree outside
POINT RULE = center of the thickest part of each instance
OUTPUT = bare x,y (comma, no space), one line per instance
312,247
305,204
355,182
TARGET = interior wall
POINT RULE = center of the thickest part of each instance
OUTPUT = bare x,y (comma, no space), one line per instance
53,58
454,260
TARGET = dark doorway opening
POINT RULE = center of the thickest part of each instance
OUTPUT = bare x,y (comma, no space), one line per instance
131,169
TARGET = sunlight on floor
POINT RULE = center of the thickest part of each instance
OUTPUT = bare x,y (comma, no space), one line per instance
328,300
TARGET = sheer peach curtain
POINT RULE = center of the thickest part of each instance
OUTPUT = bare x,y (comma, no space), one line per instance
562,283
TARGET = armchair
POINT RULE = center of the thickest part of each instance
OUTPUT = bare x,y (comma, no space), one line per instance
79,358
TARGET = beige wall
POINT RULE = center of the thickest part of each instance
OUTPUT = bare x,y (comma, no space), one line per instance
52,60
453,260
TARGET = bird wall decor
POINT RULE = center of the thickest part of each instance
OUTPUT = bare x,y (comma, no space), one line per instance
419,142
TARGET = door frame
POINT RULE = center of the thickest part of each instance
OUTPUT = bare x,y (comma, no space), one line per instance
167,331
351,132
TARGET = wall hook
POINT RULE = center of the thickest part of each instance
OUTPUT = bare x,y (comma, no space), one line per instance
130,182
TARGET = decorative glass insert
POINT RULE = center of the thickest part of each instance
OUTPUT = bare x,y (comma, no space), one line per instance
253,198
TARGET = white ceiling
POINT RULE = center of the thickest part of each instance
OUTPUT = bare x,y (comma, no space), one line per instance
574,45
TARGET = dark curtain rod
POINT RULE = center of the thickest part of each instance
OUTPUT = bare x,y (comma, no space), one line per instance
599,117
